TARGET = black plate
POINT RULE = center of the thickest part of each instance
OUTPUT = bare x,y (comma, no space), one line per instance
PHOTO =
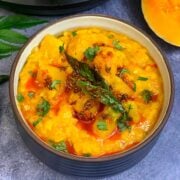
49,7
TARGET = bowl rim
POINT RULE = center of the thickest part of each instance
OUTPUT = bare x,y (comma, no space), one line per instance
81,158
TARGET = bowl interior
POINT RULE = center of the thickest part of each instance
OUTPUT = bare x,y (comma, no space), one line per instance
107,23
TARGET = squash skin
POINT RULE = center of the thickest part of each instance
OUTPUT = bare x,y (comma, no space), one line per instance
163,17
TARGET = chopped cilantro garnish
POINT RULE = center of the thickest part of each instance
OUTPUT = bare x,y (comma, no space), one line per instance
147,95
102,125
35,123
110,36
43,107
61,146
54,83
117,45
140,78
123,71
91,52
134,87
87,155
31,94
61,48
20,97
74,33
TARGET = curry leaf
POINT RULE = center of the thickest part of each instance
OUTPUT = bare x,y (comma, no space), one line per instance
19,22
100,94
4,55
7,48
12,36
87,72
3,78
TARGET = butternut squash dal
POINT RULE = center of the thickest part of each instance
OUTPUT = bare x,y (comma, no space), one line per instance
90,92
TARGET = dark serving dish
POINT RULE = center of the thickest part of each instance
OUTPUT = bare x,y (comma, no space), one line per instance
107,165
49,7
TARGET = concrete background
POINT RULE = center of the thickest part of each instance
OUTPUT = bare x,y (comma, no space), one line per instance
162,163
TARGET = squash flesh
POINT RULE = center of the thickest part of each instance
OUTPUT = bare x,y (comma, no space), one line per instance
163,17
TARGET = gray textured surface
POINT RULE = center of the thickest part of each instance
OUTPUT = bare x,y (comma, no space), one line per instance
162,163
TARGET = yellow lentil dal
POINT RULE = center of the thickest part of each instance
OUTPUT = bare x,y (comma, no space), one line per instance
73,121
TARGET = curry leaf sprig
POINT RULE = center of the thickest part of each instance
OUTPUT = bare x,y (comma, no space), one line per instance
11,40
8,35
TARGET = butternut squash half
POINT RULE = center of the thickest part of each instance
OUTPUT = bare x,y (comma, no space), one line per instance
163,17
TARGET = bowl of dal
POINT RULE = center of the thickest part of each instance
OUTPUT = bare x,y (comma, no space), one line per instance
91,95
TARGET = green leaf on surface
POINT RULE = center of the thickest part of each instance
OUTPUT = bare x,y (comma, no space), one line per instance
4,56
3,78
12,36
19,22
7,48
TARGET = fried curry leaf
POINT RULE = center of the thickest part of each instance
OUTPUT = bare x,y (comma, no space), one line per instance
91,52
61,146
3,78
146,95
100,94
43,107
87,72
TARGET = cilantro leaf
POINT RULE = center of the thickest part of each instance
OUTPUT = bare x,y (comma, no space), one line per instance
43,107
20,97
91,52
117,45
140,78
54,83
146,95
102,125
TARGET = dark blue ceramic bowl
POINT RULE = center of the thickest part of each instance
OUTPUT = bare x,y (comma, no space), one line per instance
102,166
